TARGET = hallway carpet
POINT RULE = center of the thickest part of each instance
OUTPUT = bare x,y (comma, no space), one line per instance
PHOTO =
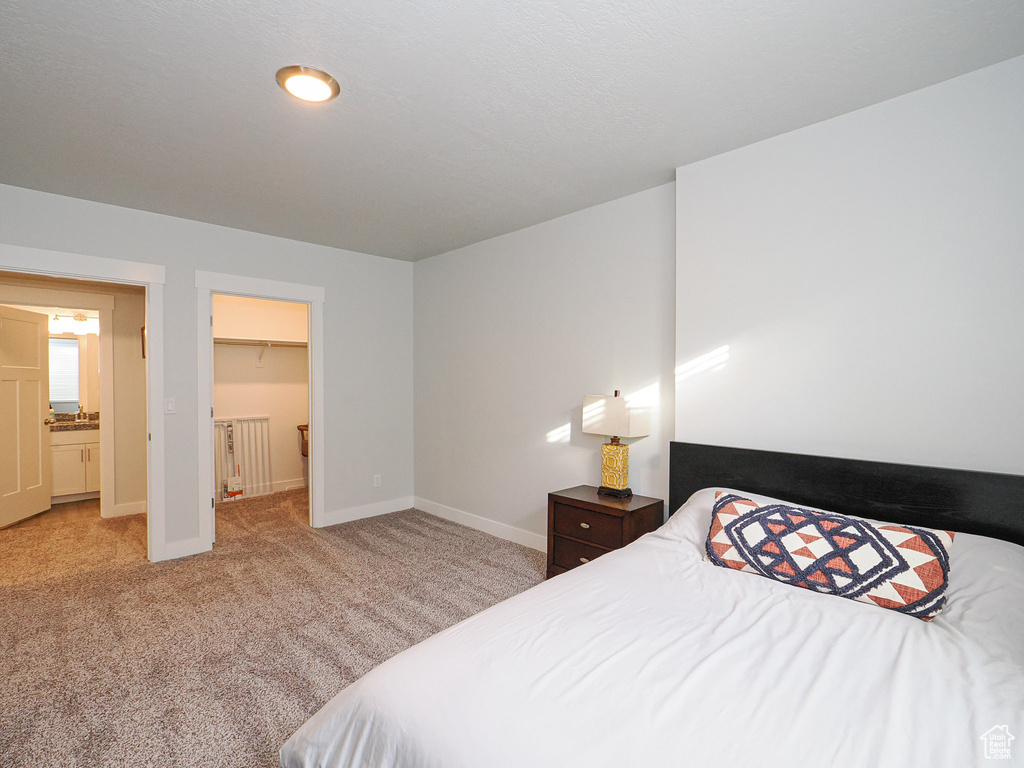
215,659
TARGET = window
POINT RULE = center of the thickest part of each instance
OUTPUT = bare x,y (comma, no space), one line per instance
64,375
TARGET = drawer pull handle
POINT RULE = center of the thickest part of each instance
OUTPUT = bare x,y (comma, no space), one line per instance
584,559
584,525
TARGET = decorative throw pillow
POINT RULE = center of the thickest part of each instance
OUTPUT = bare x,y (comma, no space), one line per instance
899,567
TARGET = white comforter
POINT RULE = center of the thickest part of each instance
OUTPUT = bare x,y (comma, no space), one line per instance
649,656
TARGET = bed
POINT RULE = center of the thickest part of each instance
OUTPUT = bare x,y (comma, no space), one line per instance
652,656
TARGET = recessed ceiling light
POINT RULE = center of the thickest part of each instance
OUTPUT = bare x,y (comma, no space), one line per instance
308,84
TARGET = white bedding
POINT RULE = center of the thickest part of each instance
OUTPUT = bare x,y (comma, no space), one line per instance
649,656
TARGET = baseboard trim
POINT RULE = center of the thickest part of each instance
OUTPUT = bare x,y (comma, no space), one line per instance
287,485
501,530
70,497
131,508
175,549
338,516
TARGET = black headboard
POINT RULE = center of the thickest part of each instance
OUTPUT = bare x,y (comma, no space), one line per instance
984,503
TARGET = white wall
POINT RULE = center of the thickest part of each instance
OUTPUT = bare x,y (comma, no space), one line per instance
512,332
279,390
367,322
129,401
89,371
242,317
867,274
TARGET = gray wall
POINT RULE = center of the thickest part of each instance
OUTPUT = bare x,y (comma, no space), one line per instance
867,274
512,332
367,335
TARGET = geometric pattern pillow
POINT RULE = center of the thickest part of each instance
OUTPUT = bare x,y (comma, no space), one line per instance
899,567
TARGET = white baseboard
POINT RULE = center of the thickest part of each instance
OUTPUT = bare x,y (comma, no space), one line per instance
173,549
68,497
337,516
287,485
501,530
131,508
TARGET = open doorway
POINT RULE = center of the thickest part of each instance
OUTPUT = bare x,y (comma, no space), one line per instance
209,285
79,454
260,397
25,261
70,390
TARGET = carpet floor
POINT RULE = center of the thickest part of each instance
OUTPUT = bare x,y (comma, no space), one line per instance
215,659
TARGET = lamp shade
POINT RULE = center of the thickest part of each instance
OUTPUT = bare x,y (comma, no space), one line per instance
610,415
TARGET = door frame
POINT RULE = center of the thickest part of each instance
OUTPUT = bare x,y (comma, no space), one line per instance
60,264
208,283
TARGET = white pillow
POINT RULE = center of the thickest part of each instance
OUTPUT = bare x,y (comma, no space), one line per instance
692,520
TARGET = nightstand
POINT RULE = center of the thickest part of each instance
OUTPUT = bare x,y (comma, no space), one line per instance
583,525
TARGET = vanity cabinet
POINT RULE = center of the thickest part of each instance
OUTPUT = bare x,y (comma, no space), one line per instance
76,463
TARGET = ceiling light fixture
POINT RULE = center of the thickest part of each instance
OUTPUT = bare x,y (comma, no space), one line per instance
307,83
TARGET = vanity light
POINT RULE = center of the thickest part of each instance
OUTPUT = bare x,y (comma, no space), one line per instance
307,83
78,324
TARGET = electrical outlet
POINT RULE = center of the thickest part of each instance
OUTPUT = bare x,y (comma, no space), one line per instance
376,481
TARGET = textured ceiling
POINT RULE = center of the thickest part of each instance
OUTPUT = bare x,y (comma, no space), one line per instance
456,121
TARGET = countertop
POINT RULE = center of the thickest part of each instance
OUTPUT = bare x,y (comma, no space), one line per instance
74,426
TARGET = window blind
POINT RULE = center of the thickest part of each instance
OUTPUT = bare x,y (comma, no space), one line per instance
64,371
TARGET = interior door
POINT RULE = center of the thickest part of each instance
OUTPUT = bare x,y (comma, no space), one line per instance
24,407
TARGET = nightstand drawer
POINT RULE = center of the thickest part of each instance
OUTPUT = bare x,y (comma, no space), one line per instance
595,527
569,553
584,524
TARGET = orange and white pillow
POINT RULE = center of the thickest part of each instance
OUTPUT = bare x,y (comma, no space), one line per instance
899,567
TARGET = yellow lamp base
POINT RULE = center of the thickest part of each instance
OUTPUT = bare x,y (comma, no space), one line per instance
615,469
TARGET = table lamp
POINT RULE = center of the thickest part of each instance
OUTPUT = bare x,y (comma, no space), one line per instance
612,417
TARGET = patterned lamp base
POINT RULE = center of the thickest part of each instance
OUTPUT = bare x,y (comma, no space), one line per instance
615,470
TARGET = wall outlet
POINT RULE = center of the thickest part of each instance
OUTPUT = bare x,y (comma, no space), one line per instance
376,481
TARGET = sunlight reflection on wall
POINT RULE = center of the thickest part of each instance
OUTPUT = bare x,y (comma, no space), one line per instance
713,359
560,434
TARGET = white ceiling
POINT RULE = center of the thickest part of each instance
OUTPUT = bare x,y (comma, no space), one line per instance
457,121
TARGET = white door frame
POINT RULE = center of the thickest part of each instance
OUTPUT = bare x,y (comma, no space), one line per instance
18,258
208,283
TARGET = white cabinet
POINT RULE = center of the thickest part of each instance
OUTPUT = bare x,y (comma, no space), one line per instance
68,469
76,465
92,467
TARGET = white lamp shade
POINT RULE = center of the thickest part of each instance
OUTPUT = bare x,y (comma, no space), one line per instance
607,415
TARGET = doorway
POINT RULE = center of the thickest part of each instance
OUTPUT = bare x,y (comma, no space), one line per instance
236,287
63,455
27,262
260,396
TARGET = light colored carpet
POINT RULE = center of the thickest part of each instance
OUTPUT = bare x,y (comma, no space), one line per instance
214,660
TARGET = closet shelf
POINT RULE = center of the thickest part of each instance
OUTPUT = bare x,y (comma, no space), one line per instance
240,342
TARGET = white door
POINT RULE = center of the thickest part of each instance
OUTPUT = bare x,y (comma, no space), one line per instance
24,407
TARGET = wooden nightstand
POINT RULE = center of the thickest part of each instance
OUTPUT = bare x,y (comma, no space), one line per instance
583,525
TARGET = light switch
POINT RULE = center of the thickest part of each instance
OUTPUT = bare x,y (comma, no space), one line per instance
169,405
